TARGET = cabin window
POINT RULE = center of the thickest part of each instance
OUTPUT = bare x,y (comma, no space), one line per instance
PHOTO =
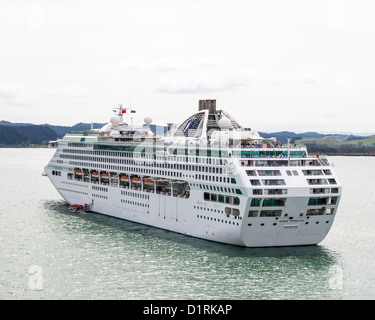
274,202
235,212
255,182
251,172
333,200
255,202
273,182
332,181
315,212
253,213
317,201
236,200
270,213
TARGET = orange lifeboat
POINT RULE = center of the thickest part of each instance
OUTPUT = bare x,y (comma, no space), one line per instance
124,178
149,181
78,171
136,180
105,175
95,174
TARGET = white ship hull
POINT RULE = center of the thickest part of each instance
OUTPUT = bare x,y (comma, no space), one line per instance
182,216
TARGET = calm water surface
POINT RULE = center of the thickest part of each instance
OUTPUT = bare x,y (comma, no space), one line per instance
46,252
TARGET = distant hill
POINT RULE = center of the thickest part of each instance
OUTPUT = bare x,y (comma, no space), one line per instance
7,123
334,142
336,145
60,130
25,135
63,130
284,135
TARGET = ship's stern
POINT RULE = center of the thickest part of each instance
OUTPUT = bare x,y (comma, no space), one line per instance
285,231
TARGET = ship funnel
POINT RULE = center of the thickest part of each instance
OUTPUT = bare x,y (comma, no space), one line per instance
208,104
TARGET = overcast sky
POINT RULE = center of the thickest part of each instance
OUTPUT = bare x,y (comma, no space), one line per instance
274,65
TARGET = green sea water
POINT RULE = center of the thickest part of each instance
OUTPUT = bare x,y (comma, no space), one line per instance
46,252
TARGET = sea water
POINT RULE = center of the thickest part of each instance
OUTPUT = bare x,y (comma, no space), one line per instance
46,252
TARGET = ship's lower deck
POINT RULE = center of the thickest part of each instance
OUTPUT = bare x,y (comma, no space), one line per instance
235,222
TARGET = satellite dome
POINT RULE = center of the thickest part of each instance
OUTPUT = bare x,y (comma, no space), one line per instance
148,121
225,124
115,120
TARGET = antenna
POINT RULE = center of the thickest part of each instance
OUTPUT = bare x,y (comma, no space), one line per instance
119,110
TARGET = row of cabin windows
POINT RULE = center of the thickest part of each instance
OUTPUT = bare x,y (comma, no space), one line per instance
135,194
99,188
321,181
74,191
277,213
215,173
271,202
147,163
317,172
289,172
218,220
280,202
285,191
268,182
208,209
99,196
130,156
324,190
280,182
177,174
140,204
322,201
263,172
271,192
221,198
218,188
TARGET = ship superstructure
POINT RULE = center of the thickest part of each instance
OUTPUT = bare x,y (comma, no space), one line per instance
208,178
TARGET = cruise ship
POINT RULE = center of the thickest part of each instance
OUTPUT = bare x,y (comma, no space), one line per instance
208,177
